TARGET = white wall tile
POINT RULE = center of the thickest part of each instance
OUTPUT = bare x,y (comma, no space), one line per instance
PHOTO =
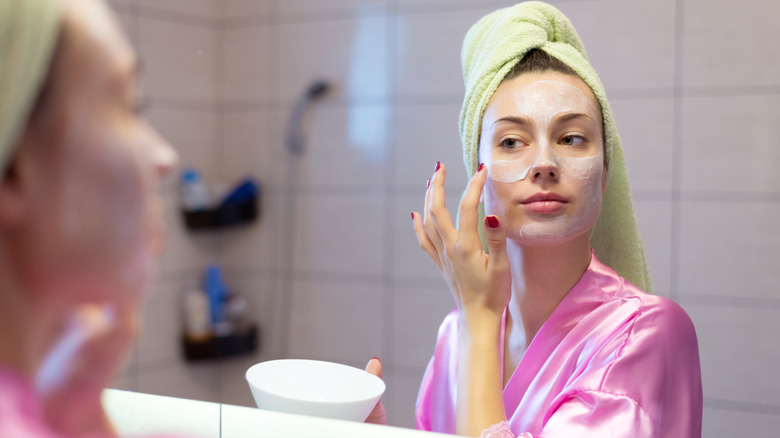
446,5
645,127
339,234
336,320
179,60
246,8
247,64
417,313
251,146
191,381
353,7
184,249
425,134
726,43
351,54
428,55
201,8
160,335
655,226
738,350
728,424
128,21
729,143
401,395
255,245
729,249
409,260
345,147
629,43
192,133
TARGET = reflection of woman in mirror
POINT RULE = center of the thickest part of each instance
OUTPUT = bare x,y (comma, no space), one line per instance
80,218
547,339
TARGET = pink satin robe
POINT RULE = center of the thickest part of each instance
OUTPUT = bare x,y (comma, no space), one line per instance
611,361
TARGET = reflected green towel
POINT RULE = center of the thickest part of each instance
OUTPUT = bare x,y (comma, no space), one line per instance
28,33
494,45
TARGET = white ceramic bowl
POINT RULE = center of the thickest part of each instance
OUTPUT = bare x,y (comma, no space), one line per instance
311,387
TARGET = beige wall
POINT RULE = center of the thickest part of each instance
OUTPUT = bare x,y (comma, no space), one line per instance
333,269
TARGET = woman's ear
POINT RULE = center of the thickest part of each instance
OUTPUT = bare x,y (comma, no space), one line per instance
13,192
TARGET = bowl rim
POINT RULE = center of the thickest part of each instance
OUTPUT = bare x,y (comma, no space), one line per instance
376,379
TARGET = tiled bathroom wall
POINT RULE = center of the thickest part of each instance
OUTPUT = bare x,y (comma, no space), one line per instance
333,270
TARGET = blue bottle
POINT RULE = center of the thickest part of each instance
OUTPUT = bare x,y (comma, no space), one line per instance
216,292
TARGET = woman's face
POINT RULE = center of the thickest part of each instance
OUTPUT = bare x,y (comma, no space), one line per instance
542,143
93,165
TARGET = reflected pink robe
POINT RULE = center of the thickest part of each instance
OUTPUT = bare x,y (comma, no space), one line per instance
611,361
21,414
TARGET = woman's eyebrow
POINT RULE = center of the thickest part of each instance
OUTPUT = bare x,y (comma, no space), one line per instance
573,116
517,120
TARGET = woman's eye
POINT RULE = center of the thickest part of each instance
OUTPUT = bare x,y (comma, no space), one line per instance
571,140
510,143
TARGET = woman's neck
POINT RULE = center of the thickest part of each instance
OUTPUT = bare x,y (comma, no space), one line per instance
27,330
541,278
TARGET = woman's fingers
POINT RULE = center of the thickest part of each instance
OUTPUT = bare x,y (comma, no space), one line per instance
439,215
495,237
425,241
469,208
428,226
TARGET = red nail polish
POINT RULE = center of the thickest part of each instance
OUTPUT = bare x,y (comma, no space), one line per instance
438,165
376,359
412,215
428,184
491,221
481,166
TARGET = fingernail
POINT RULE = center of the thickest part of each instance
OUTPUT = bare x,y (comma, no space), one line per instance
428,184
438,165
412,215
376,359
491,222
481,166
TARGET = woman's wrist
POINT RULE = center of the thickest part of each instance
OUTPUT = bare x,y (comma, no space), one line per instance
479,323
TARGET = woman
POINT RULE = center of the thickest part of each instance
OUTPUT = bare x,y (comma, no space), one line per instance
547,340
80,220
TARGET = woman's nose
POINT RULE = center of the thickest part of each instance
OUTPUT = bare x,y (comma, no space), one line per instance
546,164
165,159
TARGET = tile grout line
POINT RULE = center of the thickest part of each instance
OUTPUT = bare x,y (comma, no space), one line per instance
675,247
388,322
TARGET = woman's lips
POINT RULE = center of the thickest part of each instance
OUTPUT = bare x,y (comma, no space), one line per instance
544,203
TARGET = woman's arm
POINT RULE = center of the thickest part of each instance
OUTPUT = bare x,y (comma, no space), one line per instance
481,286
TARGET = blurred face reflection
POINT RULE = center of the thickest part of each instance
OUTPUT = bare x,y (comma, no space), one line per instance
97,224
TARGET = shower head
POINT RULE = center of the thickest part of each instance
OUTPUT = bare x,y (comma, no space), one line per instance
295,134
317,89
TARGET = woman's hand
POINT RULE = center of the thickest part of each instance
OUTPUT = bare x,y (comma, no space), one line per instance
480,283
84,361
482,287
377,415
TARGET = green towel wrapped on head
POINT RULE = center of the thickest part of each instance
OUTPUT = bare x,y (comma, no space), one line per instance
492,47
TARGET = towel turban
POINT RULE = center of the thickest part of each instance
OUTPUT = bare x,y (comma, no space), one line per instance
491,48
28,35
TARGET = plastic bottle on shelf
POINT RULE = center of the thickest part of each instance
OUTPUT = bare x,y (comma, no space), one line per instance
194,196
197,316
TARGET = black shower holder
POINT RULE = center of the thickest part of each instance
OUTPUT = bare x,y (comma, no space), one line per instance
240,343
226,215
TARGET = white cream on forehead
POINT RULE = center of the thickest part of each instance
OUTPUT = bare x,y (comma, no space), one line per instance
542,101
